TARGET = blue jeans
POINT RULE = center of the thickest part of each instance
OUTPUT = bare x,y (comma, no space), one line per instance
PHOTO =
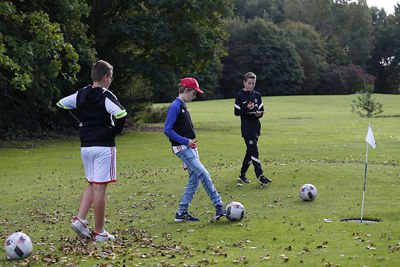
197,173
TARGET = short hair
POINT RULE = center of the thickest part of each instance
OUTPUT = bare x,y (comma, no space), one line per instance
182,88
249,75
99,69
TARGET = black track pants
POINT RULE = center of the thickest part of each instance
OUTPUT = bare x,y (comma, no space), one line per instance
251,156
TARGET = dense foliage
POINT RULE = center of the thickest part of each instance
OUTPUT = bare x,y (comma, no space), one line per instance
37,63
158,40
310,47
47,48
331,39
261,47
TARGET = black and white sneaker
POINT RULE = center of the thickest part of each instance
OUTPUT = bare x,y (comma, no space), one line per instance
185,217
264,180
219,212
242,178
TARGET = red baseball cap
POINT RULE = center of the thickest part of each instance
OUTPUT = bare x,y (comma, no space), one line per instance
192,83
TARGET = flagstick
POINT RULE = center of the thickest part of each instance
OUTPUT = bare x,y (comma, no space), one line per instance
365,181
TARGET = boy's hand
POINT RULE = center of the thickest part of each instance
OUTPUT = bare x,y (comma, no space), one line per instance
250,105
191,143
258,114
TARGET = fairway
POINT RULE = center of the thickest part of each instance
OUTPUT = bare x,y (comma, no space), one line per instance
304,139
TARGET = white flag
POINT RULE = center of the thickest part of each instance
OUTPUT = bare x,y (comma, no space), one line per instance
370,137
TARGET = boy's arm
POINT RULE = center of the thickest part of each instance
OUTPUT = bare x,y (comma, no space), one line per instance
241,108
119,125
173,112
117,111
64,107
260,108
237,107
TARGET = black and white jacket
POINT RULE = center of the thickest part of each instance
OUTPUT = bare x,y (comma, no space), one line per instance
99,112
250,124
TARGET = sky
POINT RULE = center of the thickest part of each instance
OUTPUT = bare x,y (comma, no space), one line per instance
388,5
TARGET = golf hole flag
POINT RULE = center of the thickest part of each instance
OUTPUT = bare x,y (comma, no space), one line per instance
370,137
370,141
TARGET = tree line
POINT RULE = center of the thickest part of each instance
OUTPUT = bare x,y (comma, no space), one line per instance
47,48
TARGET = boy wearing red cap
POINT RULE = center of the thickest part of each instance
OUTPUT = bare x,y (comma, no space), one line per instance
180,131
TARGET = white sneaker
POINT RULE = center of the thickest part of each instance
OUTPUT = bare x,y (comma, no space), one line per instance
104,236
80,227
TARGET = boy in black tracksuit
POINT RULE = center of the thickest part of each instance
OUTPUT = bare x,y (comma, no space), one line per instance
249,106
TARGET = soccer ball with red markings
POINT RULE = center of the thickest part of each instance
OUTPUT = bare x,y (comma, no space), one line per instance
18,246
234,211
308,192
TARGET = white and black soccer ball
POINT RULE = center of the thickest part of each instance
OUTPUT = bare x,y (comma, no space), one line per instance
18,246
308,192
234,211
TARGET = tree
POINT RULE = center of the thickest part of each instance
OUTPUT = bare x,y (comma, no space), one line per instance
262,48
159,40
69,15
365,105
269,10
381,43
335,53
318,13
356,35
34,58
310,46
47,49
208,79
344,21
385,59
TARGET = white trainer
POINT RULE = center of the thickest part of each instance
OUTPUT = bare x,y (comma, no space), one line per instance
80,227
104,236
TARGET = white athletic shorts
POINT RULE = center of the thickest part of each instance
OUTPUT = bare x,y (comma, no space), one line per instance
100,164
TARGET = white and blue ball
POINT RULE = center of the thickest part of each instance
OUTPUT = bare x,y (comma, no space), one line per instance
234,211
18,246
308,192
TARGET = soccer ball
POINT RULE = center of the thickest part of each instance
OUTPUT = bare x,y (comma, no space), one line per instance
308,192
234,211
18,246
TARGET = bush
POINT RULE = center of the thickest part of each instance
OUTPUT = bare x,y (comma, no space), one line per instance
365,106
343,80
152,114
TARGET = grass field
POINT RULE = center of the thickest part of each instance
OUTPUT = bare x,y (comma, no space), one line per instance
305,139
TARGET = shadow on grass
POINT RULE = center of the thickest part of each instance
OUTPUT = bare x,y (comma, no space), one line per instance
358,220
388,116
299,118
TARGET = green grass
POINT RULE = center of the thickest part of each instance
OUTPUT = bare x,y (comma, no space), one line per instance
305,139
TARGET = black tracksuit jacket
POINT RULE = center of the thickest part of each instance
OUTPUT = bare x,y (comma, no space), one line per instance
250,124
